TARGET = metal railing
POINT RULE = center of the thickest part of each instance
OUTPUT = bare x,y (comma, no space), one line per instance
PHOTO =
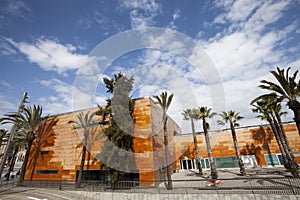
280,185
4,185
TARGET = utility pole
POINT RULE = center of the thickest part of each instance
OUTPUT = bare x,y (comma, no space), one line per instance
12,133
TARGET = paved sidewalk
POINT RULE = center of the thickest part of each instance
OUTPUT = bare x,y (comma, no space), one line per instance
233,173
255,177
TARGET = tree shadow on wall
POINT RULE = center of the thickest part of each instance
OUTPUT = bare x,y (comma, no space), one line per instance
44,137
251,149
187,152
264,137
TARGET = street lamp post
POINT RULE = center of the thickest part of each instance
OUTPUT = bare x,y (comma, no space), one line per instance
11,135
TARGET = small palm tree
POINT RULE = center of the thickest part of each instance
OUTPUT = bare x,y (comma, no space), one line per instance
28,122
164,101
205,113
192,115
2,135
94,136
232,117
288,88
18,142
84,121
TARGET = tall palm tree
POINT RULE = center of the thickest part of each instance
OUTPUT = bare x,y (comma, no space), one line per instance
205,113
262,106
164,101
190,114
288,88
270,109
84,121
28,121
232,117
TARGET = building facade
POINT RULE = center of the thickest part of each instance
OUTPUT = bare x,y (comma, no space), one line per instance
257,146
57,154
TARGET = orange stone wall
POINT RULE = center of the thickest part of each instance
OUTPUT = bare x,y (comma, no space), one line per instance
252,141
149,141
64,152
65,145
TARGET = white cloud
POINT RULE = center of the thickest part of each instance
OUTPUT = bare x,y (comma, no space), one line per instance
176,15
268,13
242,9
247,49
6,48
61,101
142,12
7,105
84,23
246,44
67,98
146,5
18,8
167,40
50,55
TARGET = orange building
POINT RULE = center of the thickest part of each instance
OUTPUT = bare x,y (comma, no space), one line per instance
257,145
57,154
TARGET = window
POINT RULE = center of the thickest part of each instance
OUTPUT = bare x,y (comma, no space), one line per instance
272,159
223,162
47,171
192,163
44,152
226,162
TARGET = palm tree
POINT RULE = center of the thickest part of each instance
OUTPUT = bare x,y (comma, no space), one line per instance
232,117
43,134
28,121
164,101
18,142
288,89
2,135
84,121
94,136
270,109
190,114
205,113
262,106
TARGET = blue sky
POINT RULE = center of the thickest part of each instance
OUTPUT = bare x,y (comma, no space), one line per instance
44,43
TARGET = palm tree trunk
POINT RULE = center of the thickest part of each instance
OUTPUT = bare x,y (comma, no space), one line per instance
198,159
88,161
214,173
284,137
78,182
291,164
36,155
295,107
279,142
237,151
166,142
24,165
12,163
